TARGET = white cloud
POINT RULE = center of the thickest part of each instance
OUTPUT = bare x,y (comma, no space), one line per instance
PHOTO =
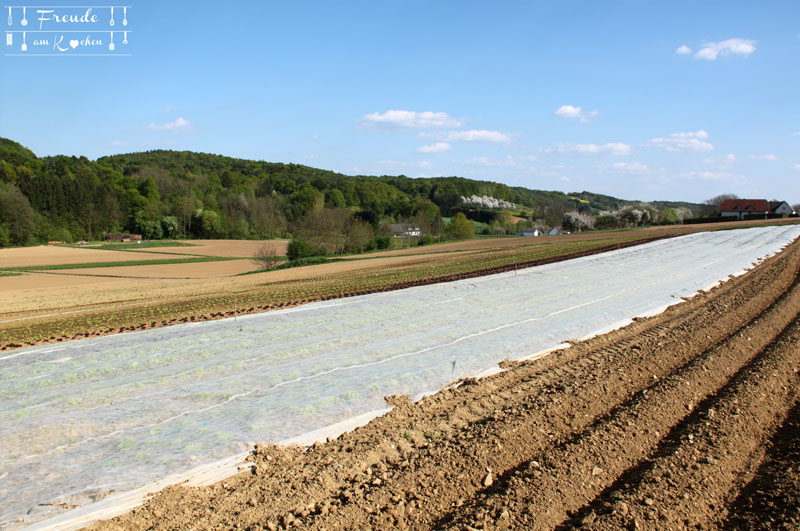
436,147
615,148
178,125
765,156
570,111
393,119
711,50
425,164
691,141
118,143
168,108
796,167
683,50
472,135
631,167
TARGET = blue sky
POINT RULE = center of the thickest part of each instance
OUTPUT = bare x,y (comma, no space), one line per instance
637,99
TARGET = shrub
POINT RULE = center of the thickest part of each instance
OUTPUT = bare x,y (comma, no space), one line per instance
299,248
265,257
379,243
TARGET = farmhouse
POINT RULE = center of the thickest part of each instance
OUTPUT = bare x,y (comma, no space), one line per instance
780,208
744,208
754,208
405,230
529,232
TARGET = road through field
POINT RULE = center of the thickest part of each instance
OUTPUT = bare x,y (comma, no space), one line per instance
83,418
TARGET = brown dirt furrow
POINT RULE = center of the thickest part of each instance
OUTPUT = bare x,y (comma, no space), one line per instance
464,456
771,500
697,467
542,492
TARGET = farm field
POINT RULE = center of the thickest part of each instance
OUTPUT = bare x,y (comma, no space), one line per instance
688,419
60,305
146,403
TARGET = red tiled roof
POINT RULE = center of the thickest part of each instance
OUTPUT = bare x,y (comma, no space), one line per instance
744,205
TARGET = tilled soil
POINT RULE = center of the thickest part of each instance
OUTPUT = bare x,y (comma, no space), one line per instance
687,420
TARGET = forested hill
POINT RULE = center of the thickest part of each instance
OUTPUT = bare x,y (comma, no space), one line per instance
171,193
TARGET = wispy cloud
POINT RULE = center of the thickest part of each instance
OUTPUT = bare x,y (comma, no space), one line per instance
714,176
796,134
727,159
118,143
614,148
394,119
570,111
683,50
796,167
472,135
169,108
631,167
691,141
765,156
710,51
179,125
436,147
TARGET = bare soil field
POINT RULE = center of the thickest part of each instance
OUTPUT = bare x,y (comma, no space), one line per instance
44,255
237,248
47,292
688,419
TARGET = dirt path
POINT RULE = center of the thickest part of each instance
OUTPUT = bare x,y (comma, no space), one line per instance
685,420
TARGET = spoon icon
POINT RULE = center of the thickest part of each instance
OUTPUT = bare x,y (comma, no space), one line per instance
111,44
125,16
24,21
112,16
9,16
125,40
24,44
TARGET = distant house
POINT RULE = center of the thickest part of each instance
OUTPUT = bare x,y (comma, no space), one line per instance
529,232
555,232
405,230
122,237
780,208
744,208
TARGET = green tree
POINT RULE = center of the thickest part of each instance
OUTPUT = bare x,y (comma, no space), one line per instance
307,199
17,216
460,228
211,224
